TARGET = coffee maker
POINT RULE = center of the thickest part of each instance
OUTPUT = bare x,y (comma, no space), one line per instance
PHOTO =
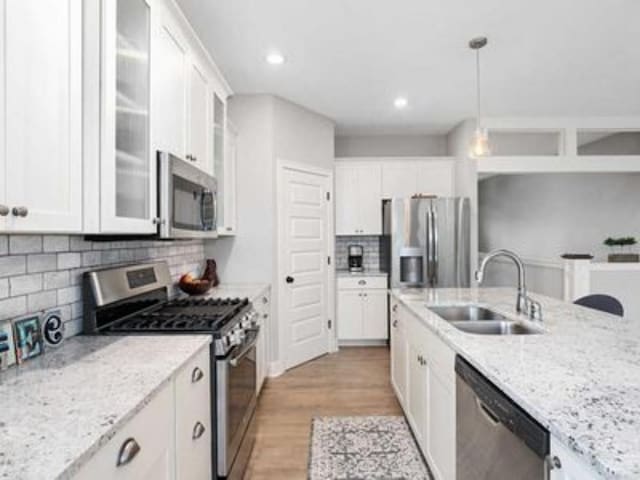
356,254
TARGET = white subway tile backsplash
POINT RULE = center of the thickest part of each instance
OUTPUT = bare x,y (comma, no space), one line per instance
55,243
110,256
12,265
25,244
4,287
24,284
371,249
43,262
73,327
69,295
79,244
69,260
13,307
91,259
54,280
42,300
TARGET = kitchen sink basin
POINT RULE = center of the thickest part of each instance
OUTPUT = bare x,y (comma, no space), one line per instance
482,321
466,313
492,327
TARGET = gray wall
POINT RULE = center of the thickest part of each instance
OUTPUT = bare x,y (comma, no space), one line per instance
545,215
625,143
42,272
390,145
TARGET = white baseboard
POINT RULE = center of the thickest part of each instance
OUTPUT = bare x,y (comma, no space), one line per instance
276,369
361,343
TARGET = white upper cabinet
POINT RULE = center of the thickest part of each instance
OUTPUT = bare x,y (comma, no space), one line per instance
225,155
402,178
169,85
41,103
199,118
358,199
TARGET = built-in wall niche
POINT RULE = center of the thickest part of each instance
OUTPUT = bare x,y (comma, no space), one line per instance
510,143
608,142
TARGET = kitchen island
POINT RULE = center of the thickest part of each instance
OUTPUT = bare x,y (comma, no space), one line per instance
580,378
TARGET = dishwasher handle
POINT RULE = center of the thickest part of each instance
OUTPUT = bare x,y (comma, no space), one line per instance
499,409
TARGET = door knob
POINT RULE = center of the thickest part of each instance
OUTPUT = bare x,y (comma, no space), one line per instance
20,211
289,279
4,210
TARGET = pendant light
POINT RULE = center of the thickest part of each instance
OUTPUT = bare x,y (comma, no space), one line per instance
479,146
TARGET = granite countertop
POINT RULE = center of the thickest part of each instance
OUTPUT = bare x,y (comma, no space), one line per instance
580,379
238,290
366,273
57,410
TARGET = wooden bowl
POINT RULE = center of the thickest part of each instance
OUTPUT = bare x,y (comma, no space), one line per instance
198,288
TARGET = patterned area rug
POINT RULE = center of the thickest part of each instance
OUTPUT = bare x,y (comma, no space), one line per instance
364,448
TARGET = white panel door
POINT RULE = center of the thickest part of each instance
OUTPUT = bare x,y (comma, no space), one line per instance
349,317
169,86
199,118
347,200
42,44
374,316
305,224
370,199
435,178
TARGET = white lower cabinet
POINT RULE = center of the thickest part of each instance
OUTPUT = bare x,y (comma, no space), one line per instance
193,420
142,449
362,309
169,439
423,377
262,306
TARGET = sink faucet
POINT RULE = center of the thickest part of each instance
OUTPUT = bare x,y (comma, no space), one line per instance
524,304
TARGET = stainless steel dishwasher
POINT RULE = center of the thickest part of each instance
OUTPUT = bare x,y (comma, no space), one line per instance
495,438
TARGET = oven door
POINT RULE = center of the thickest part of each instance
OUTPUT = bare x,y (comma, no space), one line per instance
187,200
236,401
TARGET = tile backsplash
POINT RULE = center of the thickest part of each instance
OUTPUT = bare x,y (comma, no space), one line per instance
40,272
371,246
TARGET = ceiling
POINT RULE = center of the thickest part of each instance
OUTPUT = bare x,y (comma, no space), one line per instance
349,59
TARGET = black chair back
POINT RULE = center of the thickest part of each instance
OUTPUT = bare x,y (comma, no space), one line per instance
604,303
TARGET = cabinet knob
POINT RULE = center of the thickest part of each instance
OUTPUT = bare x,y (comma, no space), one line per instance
362,282
197,375
394,308
128,452
198,431
20,211
289,279
553,463
265,300
4,210
395,324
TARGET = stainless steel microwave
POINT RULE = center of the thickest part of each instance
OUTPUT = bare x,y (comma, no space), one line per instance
187,200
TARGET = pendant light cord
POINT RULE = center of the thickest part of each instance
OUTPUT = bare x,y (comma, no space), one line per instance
478,121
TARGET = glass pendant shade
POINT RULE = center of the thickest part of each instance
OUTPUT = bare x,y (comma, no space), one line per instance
479,146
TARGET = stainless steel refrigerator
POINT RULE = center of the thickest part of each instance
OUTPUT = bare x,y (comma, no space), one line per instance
426,242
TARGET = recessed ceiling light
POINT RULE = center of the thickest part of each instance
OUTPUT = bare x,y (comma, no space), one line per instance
275,58
400,103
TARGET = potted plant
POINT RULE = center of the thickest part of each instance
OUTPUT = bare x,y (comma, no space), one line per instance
622,256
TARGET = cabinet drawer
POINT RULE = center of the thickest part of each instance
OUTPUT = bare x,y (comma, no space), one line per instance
361,282
150,432
193,419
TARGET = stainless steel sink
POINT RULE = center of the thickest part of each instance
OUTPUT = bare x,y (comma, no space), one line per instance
496,328
466,313
482,321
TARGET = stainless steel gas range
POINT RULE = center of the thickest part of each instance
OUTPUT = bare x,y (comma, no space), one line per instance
135,300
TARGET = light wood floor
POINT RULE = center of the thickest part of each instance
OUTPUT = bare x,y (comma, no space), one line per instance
354,381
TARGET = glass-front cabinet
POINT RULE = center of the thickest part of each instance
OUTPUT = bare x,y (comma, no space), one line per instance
128,164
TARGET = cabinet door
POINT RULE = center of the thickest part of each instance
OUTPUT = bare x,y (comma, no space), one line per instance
370,199
347,200
398,179
417,393
441,426
199,119
152,430
169,82
193,419
435,178
374,318
127,164
349,315
399,358
225,171
42,136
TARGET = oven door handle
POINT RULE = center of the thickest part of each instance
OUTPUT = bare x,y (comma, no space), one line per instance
233,361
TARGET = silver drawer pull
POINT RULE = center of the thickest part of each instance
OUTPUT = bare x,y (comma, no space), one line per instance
395,323
4,210
362,282
128,452
265,300
395,308
197,375
20,211
198,431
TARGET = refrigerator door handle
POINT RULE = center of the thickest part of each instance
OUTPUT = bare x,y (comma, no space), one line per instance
429,255
434,221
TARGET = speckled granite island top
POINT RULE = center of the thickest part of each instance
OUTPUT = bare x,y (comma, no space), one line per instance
57,410
580,379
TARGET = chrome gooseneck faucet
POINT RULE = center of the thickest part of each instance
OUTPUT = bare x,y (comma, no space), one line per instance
524,304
